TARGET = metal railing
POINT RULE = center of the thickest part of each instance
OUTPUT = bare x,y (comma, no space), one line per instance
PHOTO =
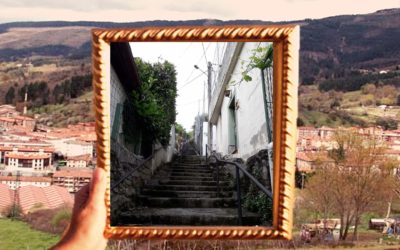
135,169
238,167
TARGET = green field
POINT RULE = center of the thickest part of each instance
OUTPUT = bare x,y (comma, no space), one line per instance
18,235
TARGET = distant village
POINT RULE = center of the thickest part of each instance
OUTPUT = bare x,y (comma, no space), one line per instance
42,166
313,144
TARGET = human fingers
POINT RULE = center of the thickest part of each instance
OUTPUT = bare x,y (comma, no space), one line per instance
81,197
98,187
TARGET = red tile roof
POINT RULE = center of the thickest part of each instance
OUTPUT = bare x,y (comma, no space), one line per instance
26,118
26,156
26,178
6,197
27,149
85,157
49,197
74,172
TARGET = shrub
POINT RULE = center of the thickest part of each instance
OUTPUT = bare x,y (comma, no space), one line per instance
368,88
12,211
61,216
387,123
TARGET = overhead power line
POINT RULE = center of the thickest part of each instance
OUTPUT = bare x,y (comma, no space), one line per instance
187,83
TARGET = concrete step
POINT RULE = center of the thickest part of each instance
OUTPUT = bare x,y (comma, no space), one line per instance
188,217
190,174
188,170
191,170
183,164
188,187
194,177
185,194
192,182
190,167
164,202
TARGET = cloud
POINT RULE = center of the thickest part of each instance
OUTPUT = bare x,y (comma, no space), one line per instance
85,5
220,8
144,10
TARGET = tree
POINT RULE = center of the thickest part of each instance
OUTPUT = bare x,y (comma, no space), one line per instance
358,180
10,95
387,123
153,105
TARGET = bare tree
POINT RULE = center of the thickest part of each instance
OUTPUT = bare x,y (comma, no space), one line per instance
359,178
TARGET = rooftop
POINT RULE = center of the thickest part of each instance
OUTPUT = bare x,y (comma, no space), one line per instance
74,172
27,156
30,196
26,178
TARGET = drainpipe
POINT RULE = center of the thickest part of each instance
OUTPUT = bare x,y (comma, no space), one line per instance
269,132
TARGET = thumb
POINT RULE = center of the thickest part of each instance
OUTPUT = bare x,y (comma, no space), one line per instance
98,187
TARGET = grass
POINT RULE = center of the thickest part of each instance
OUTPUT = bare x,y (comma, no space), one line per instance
318,119
356,107
18,235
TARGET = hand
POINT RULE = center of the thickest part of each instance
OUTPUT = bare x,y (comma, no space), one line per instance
88,221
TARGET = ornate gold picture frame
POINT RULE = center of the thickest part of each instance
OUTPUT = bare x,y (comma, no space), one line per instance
285,82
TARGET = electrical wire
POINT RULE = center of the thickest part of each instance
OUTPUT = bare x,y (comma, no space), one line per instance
187,83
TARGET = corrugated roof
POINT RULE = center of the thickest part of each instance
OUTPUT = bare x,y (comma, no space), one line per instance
49,197
6,197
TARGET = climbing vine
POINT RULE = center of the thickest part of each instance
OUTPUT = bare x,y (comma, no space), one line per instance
151,109
261,58
254,200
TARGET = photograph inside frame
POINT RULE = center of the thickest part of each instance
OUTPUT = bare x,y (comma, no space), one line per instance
191,133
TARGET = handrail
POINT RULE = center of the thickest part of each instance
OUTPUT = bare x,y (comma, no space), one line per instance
245,172
135,169
207,153
250,176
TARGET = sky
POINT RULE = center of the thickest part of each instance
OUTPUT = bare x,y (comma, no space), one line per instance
143,10
191,82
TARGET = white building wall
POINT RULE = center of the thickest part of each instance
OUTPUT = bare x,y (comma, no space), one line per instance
13,185
250,116
222,128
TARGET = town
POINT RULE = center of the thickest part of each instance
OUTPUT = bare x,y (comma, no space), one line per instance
41,165
314,143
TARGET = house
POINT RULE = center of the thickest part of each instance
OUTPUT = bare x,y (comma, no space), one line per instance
28,162
70,146
14,182
241,107
27,147
72,178
8,111
79,161
310,161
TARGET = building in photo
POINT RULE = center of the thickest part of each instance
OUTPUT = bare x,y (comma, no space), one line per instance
72,179
241,106
79,161
14,182
28,162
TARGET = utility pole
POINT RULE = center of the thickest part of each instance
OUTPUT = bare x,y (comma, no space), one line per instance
209,73
15,207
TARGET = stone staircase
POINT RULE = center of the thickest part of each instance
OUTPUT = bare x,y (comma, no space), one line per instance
185,193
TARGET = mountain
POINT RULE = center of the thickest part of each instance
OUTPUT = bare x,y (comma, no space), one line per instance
331,48
340,53
352,45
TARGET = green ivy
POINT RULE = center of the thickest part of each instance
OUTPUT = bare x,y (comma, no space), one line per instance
254,200
151,108
262,58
